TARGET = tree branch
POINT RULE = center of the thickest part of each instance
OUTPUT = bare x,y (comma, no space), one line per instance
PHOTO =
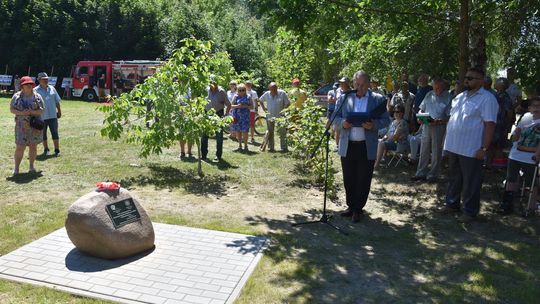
393,12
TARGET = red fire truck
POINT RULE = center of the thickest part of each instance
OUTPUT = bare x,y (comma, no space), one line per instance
118,77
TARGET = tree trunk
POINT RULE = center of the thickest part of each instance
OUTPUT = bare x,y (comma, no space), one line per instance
199,165
477,45
463,42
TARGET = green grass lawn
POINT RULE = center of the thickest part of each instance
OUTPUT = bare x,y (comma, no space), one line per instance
400,252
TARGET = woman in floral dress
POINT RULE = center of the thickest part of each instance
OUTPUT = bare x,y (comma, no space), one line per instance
24,105
241,105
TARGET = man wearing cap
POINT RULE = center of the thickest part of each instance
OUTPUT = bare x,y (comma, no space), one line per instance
51,112
276,100
297,95
217,100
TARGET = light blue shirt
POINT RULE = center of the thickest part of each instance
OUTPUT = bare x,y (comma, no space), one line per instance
276,103
438,107
50,100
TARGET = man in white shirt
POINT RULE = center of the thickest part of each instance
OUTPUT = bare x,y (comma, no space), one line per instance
276,100
468,135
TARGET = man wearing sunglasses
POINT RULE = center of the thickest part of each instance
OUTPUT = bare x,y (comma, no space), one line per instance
468,135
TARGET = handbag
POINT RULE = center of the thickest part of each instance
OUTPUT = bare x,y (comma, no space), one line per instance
37,123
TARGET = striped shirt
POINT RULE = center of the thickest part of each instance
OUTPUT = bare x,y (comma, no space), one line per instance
466,125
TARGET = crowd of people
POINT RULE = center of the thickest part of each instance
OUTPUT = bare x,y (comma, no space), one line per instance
242,102
469,129
428,123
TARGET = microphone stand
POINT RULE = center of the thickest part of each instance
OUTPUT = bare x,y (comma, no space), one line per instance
325,218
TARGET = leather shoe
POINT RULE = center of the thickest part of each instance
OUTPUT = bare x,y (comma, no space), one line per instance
356,216
347,213
447,210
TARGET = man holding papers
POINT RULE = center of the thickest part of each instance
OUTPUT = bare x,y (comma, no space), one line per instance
359,116
433,115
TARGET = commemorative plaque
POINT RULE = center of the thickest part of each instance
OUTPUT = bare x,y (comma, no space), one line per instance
123,212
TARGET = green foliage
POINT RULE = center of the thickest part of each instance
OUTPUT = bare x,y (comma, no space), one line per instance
291,58
44,34
172,115
305,127
388,37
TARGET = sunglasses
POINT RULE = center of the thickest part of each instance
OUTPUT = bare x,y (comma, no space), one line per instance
469,78
241,90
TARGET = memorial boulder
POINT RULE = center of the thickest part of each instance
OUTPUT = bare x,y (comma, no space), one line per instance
109,224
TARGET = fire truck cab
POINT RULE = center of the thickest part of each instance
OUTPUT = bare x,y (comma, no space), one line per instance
118,77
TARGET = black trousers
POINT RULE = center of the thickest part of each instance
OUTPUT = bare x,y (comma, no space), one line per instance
465,175
219,141
357,174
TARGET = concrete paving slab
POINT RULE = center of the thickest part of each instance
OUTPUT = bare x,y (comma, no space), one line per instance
188,265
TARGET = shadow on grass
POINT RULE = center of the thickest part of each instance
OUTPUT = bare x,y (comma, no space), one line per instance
24,178
222,164
249,245
42,157
418,257
168,177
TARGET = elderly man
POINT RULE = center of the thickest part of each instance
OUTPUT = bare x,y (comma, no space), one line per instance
468,136
358,140
51,112
217,100
276,100
437,104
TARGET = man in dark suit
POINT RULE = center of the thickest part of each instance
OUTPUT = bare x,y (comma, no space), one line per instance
358,140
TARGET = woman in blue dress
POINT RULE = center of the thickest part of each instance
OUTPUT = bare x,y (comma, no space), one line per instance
241,105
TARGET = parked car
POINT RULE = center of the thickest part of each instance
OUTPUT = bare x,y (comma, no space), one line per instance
321,95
